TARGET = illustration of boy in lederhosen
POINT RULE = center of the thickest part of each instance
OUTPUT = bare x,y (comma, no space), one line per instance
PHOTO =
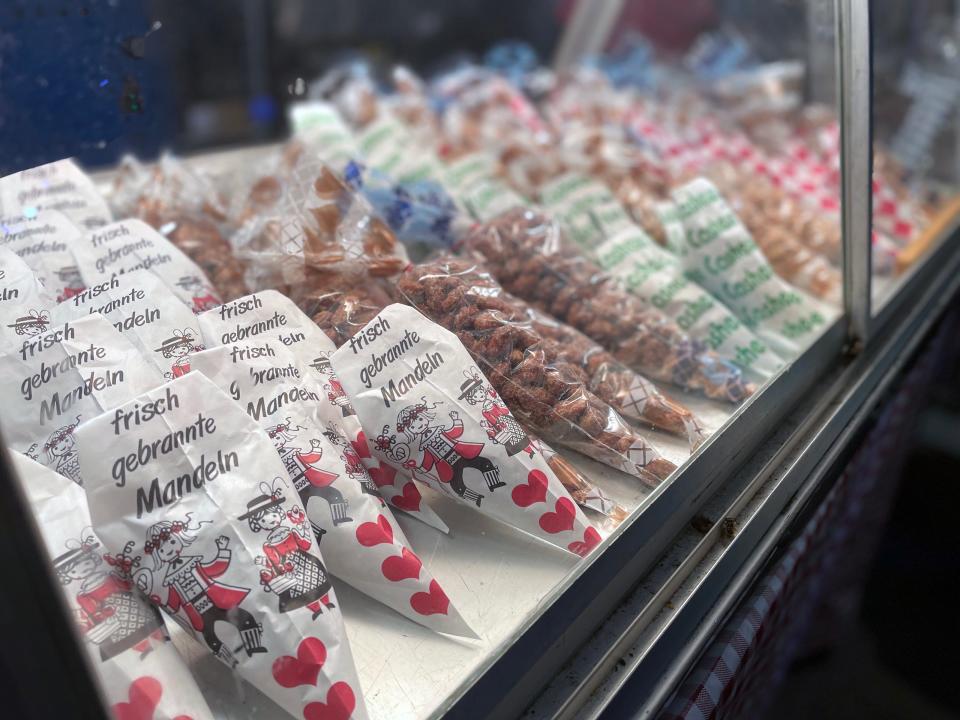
191,585
443,452
309,478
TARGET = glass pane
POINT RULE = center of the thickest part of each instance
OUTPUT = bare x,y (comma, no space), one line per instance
608,259
916,85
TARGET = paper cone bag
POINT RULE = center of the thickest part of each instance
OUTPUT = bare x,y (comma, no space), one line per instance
45,241
60,186
24,302
129,245
137,666
269,314
358,535
226,549
147,313
418,392
54,381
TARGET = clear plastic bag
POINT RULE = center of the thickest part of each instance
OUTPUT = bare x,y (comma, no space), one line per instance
525,251
546,393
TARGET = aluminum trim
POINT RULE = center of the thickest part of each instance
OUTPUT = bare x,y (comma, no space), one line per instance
855,83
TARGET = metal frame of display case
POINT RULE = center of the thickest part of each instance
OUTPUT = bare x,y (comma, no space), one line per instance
775,457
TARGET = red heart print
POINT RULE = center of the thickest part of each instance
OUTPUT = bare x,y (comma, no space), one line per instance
591,538
382,474
533,492
370,534
434,602
143,697
409,499
360,445
339,705
401,567
561,520
291,672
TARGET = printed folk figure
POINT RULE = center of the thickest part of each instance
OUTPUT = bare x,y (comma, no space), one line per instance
109,614
443,452
502,428
202,296
191,585
61,452
298,578
32,324
308,476
335,392
352,462
178,348
70,281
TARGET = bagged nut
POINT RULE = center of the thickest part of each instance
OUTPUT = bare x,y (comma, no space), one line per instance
185,479
133,659
130,245
60,186
472,180
585,493
525,252
361,542
548,394
592,217
146,313
24,302
47,243
56,379
414,385
720,255
270,315
630,394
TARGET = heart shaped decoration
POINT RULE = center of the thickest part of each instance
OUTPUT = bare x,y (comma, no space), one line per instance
370,534
360,445
560,520
408,500
382,475
534,491
291,672
591,538
434,602
401,567
339,705
143,696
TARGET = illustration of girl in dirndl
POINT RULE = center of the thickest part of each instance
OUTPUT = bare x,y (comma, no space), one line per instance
110,616
298,578
61,451
502,428
308,476
178,347
191,585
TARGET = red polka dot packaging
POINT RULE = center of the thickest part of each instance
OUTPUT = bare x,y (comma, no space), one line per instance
139,671
428,409
183,478
361,541
271,315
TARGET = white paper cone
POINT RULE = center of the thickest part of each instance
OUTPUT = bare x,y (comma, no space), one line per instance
418,392
270,314
138,668
196,485
129,245
147,313
360,540
60,186
24,302
45,242
54,381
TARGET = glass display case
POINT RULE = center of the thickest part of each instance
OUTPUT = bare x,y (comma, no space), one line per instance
443,359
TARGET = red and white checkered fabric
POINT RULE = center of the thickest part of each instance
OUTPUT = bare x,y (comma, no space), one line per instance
739,674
